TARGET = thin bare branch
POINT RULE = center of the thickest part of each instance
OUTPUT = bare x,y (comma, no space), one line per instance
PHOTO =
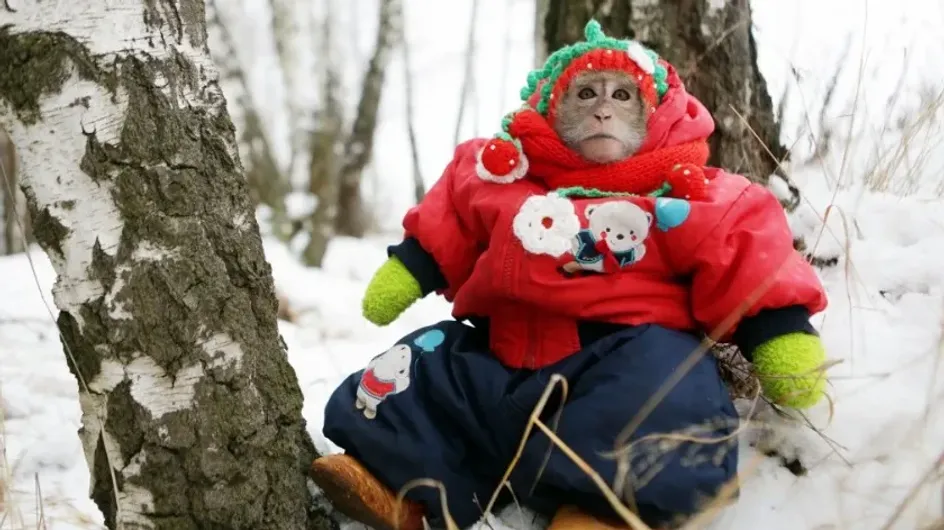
467,78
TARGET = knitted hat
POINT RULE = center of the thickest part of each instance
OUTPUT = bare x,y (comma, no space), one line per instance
502,159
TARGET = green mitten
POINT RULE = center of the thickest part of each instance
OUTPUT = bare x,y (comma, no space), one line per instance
789,369
390,292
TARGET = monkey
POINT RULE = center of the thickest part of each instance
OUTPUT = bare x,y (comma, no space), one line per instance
602,116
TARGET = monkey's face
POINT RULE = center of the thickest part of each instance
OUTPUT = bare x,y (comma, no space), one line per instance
602,116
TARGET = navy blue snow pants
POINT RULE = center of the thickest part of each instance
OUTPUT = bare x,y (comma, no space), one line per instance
439,405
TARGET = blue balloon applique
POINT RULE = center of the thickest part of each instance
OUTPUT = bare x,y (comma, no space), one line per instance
670,212
430,340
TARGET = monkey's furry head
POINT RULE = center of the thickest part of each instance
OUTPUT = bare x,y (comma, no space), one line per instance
503,159
598,52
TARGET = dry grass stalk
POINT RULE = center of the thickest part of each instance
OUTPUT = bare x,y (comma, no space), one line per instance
8,511
625,512
429,483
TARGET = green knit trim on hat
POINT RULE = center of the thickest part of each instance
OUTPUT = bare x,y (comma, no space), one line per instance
506,123
594,193
558,61
660,75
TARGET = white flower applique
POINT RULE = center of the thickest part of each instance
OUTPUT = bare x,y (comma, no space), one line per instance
546,224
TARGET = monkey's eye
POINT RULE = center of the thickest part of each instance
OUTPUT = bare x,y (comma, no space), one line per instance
621,94
586,93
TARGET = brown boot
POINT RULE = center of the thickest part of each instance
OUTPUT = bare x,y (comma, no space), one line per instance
359,495
571,518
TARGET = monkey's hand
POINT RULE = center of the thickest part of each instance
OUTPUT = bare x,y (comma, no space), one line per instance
789,369
390,292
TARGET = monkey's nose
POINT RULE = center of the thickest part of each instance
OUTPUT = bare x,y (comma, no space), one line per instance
602,115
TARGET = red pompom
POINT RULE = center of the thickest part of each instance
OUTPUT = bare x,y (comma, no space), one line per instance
688,181
501,161
500,157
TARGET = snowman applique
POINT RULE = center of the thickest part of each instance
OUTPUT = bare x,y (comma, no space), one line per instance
614,238
386,374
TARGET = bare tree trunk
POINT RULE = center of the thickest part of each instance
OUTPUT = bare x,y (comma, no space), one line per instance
352,219
325,148
267,184
711,44
191,413
419,186
540,42
14,217
467,77
290,30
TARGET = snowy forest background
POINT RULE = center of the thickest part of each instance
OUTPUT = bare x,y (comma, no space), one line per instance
858,89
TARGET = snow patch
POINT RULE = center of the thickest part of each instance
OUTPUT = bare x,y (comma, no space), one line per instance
300,204
779,187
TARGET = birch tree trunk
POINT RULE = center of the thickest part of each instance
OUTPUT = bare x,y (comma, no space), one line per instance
14,204
711,44
191,413
326,147
352,218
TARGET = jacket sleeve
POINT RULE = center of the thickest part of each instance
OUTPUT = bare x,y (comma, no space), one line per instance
747,275
441,241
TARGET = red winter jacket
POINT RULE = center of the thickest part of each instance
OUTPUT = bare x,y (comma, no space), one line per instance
687,272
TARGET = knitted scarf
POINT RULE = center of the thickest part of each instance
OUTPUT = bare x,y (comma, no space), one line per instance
552,162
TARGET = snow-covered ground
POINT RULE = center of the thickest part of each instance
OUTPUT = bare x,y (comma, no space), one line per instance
885,319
